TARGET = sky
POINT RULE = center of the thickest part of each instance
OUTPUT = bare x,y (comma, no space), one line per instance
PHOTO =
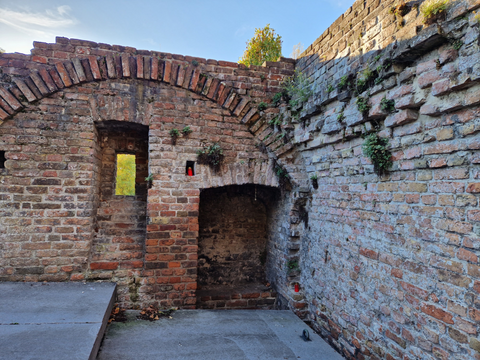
212,29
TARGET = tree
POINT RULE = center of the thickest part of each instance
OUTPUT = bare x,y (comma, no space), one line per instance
297,51
126,170
266,45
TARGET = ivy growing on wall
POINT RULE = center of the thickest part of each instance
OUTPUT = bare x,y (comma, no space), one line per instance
375,148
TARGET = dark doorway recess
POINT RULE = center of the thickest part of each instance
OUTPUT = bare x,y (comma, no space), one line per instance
232,251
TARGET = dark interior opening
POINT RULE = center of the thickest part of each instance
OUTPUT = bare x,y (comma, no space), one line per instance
190,165
233,247
2,159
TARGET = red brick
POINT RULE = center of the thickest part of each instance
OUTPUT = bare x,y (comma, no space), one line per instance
401,117
437,313
473,188
104,266
368,253
466,255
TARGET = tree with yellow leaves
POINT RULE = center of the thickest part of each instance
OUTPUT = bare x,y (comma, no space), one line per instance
125,175
266,45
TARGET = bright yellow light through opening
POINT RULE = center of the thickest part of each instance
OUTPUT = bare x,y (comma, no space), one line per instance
125,175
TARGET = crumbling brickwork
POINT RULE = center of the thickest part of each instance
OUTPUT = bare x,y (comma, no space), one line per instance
387,265
60,219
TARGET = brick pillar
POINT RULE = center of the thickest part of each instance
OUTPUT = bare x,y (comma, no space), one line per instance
171,246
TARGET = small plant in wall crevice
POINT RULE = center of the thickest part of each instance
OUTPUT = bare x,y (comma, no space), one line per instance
375,148
283,178
314,179
434,10
174,133
292,265
149,180
186,130
262,106
211,155
363,105
387,105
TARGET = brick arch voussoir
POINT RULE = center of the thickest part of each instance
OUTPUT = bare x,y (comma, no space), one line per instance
47,80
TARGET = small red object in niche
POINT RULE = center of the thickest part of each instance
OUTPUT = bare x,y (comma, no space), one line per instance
297,287
190,171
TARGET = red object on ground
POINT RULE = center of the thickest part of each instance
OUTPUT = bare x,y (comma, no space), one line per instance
190,171
297,288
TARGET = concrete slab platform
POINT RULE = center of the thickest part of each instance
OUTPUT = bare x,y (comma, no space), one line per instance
53,320
215,334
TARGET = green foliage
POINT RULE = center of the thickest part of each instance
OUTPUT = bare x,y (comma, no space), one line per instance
433,10
211,155
281,172
262,106
297,88
343,83
375,148
364,79
341,116
194,62
275,121
362,105
126,171
314,179
376,58
457,44
174,133
277,98
149,178
292,265
282,175
330,88
186,130
387,105
265,45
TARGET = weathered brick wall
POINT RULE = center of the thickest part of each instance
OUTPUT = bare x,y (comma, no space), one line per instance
390,264
59,219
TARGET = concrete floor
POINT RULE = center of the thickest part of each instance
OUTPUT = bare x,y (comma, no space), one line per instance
53,320
214,334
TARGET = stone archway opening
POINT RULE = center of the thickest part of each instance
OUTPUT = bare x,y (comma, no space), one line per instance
232,247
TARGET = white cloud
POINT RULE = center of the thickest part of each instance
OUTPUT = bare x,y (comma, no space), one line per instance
38,23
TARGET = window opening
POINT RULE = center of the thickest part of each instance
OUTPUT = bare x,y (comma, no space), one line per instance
190,168
126,171
2,159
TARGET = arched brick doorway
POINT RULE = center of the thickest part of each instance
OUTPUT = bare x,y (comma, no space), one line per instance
232,247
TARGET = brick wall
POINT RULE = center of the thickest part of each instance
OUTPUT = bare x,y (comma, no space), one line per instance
118,243
60,220
389,264
232,238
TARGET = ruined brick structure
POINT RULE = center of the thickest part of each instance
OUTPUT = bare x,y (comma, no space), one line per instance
387,265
